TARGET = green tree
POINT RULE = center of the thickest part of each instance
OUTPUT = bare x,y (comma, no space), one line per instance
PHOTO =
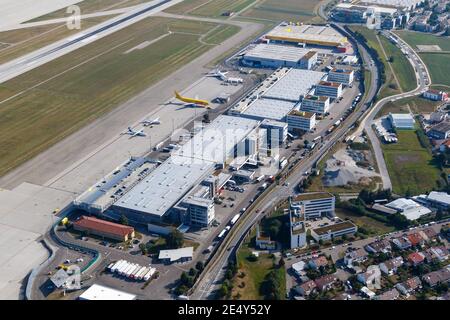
175,239
143,248
199,266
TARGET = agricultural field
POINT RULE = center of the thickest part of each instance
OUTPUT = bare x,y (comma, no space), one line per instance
283,10
410,166
251,274
208,8
19,42
91,6
50,102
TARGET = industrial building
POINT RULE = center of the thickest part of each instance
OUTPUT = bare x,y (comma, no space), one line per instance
176,255
435,95
104,229
332,231
435,199
307,34
401,120
273,109
315,104
408,208
277,56
301,120
98,292
277,132
329,89
314,204
344,76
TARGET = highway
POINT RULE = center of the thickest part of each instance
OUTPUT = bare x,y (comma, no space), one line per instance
211,278
41,56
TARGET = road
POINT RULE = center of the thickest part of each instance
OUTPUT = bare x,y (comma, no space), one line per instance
55,50
210,279
423,78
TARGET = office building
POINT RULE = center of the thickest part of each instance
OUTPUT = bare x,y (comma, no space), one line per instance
329,89
344,76
315,104
314,204
301,120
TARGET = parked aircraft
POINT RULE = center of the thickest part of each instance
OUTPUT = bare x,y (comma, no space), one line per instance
151,122
223,76
134,133
192,102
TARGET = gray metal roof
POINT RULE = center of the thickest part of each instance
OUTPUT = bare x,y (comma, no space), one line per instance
295,83
276,52
269,109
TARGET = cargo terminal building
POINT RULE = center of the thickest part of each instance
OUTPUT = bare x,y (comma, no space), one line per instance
182,188
278,56
322,36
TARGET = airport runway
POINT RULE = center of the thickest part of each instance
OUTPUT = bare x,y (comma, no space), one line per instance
41,56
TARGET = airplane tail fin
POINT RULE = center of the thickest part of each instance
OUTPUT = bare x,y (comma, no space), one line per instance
177,95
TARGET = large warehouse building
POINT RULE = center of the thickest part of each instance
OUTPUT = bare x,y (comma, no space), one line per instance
307,34
277,56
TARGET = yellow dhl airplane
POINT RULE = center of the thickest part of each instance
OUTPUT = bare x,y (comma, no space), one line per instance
192,102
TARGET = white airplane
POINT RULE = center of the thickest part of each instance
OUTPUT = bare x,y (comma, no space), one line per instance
134,133
151,122
222,76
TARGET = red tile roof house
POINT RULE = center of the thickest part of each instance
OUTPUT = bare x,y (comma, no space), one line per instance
409,286
416,239
306,288
325,282
104,228
416,258
436,277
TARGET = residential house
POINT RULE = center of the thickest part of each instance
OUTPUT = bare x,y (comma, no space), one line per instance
416,258
390,267
409,286
429,234
299,267
355,256
368,277
402,243
416,239
318,262
306,288
380,246
325,282
436,254
436,277
392,294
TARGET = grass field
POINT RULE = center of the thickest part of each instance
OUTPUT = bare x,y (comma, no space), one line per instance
439,67
255,273
91,6
416,104
368,223
410,165
58,98
23,41
415,38
438,63
209,8
220,34
283,10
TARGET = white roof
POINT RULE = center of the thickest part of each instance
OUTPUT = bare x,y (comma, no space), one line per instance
305,33
394,3
295,83
409,208
164,186
216,142
98,292
441,197
276,52
176,254
299,266
269,109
